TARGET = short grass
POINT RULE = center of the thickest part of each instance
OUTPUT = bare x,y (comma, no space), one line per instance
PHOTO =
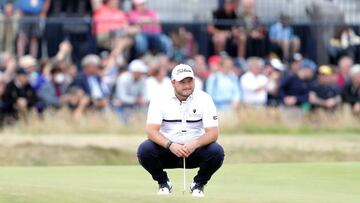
240,183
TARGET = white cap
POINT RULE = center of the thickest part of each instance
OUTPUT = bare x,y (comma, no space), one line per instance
276,63
355,70
137,66
181,72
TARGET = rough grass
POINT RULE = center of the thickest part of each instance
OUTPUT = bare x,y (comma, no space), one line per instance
245,120
240,183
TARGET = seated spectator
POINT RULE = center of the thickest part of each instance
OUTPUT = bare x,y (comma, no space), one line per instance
344,43
130,90
19,97
274,71
30,65
91,83
224,35
151,36
184,44
31,28
2,103
52,91
351,91
324,93
253,83
223,86
8,27
294,88
252,32
282,36
111,26
158,84
344,66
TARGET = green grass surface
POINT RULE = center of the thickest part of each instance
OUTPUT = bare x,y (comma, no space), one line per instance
241,183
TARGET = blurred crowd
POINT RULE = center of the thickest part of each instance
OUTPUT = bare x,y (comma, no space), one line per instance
252,64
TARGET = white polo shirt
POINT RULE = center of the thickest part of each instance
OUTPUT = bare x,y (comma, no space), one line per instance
183,121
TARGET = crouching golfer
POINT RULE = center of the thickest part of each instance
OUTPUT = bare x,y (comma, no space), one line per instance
182,124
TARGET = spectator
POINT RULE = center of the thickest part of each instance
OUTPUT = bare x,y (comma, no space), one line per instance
151,35
111,26
52,92
158,84
282,36
90,82
223,32
184,44
253,83
30,65
344,43
252,32
8,27
2,103
31,11
7,66
324,94
130,90
294,88
223,86
344,66
19,97
351,91
274,71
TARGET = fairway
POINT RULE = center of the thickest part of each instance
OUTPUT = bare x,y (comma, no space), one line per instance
240,183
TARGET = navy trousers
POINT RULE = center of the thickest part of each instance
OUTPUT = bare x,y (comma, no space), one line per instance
155,159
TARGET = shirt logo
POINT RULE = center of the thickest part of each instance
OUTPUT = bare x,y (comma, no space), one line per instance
194,110
215,117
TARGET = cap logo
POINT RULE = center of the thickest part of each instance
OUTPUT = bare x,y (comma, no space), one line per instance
183,71
194,110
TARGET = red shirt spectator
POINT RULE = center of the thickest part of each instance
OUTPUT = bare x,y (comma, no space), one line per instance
147,19
108,18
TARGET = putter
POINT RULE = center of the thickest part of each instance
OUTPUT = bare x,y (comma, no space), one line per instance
184,176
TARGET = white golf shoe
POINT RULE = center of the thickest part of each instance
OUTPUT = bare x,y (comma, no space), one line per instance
197,190
165,188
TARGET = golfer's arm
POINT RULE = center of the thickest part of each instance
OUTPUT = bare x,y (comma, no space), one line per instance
153,133
211,135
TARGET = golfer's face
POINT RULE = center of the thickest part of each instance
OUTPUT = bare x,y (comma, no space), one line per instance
184,87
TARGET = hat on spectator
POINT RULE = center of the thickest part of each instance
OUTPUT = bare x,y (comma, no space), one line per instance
276,64
214,59
137,66
181,72
139,1
309,64
355,70
297,57
91,59
20,71
27,61
325,70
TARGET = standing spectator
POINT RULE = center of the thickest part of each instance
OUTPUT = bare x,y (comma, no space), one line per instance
91,83
254,83
224,32
130,90
344,66
111,26
324,93
19,96
151,35
223,86
282,36
31,12
8,27
351,91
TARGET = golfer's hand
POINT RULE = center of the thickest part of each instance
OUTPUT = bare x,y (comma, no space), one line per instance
190,147
178,150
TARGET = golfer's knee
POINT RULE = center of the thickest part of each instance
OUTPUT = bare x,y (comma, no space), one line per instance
217,152
146,149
